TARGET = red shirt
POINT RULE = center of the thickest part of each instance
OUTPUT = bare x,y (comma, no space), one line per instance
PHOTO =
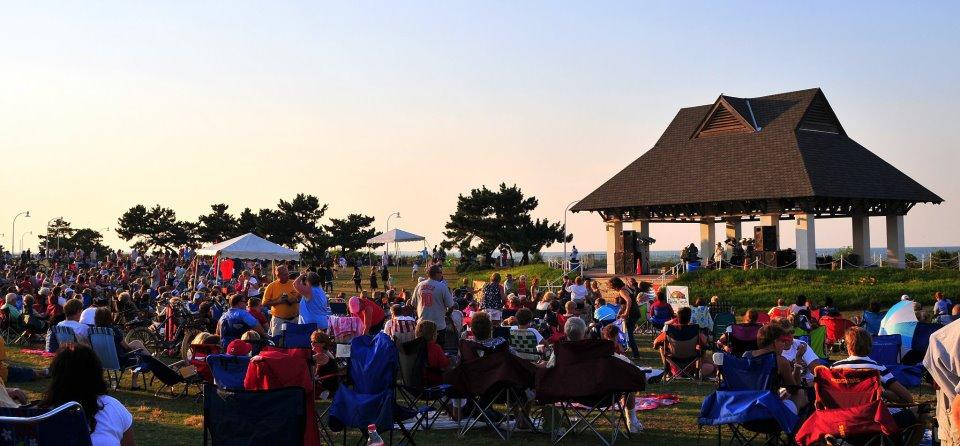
258,315
437,362
370,314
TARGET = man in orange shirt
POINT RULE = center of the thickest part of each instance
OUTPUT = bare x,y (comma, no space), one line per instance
283,300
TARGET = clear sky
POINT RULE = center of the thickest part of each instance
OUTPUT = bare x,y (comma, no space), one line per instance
378,107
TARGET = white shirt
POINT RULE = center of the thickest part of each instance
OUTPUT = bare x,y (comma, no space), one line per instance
943,362
253,287
80,330
577,292
808,356
87,316
112,421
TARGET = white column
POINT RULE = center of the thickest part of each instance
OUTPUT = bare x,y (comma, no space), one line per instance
806,241
708,238
614,237
861,238
896,249
732,228
772,220
642,228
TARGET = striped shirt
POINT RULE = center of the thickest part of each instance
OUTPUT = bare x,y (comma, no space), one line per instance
861,362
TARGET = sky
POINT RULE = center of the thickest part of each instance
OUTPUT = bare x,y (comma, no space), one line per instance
382,107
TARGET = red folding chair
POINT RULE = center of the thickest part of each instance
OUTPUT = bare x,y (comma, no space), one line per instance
836,327
763,318
848,405
198,359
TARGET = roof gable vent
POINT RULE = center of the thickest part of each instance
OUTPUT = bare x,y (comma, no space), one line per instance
819,117
722,119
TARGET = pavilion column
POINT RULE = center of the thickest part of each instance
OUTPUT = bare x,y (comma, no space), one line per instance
614,239
708,238
733,229
642,228
861,238
806,241
896,249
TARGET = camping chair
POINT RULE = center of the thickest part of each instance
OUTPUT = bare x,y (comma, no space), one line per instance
524,344
919,343
488,375
836,327
296,335
643,323
502,333
886,352
253,417
64,334
682,353
583,404
8,330
371,399
228,370
816,339
721,321
660,315
339,308
65,425
743,338
276,368
412,389
169,376
848,405
102,341
404,331
198,359
763,318
747,401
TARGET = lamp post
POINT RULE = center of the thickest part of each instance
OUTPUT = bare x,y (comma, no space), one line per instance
21,238
563,262
13,230
387,245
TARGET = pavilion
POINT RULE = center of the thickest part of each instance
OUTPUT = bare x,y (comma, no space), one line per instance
767,158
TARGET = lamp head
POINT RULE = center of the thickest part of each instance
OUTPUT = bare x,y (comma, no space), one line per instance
28,214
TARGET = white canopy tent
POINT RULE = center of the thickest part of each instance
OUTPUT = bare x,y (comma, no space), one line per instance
247,247
396,236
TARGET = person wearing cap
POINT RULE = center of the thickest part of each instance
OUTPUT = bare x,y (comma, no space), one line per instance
432,298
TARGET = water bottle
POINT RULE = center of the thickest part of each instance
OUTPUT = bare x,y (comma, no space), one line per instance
373,438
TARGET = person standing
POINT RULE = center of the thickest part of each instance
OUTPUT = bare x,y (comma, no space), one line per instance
283,300
942,361
628,312
385,277
493,299
314,306
328,279
432,298
357,279
373,278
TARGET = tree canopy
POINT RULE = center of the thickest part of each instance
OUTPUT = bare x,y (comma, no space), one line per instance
61,233
156,228
351,233
486,220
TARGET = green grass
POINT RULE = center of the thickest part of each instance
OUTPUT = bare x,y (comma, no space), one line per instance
540,270
851,289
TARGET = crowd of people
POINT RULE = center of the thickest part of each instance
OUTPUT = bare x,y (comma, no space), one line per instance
119,290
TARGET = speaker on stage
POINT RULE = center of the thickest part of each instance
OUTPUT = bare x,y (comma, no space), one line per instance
629,241
765,238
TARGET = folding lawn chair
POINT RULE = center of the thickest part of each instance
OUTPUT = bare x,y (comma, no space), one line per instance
816,339
747,401
228,370
412,389
682,352
743,338
721,321
105,347
659,316
276,368
296,335
835,328
643,323
848,405
502,333
583,404
64,334
338,308
763,318
198,359
169,376
886,352
524,343
274,417
65,425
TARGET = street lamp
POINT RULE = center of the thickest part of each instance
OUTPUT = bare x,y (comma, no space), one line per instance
21,238
563,262
387,245
13,231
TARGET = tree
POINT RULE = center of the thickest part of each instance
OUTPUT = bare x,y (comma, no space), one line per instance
88,239
217,226
487,220
58,231
351,233
247,222
155,228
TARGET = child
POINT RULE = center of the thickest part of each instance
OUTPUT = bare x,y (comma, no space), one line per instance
437,361
327,371
612,333
398,320
256,310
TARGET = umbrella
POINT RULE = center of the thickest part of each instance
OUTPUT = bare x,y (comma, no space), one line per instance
901,320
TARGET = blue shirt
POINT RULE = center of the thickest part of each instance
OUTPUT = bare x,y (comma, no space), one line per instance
234,323
316,309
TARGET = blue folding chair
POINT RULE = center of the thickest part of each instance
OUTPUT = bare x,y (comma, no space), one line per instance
748,402
228,370
64,334
104,345
886,351
62,426
274,417
296,335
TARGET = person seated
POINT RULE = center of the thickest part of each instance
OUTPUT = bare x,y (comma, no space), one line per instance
828,307
700,315
746,333
255,308
524,323
684,317
127,353
437,360
249,344
544,303
481,327
12,374
612,333
570,310
680,329
513,302
574,330
370,314
400,320
326,369
661,312
942,309
236,321
871,318
780,310
799,354
859,343
71,311
955,313
774,339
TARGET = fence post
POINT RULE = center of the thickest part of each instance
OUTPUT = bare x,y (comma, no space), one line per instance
841,262
921,261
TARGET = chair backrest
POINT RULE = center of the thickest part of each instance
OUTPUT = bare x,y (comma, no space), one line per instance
105,347
886,349
721,321
763,318
200,351
373,363
661,314
753,373
818,340
502,333
470,350
297,335
254,417
871,321
161,371
64,334
345,328
338,308
743,338
412,356
836,327
840,388
65,425
524,342
228,370
683,348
